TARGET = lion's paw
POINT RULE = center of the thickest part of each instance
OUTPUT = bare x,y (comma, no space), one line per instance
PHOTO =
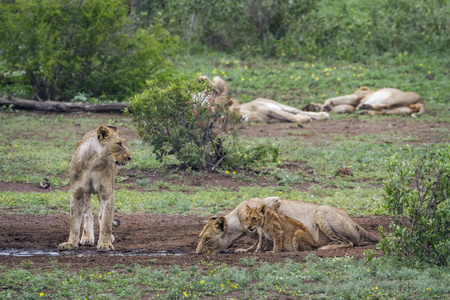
67,246
105,246
364,107
87,241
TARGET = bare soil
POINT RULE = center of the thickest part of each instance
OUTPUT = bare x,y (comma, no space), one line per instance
165,240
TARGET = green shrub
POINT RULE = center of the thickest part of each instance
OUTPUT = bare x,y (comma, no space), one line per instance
167,117
302,29
418,199
93,48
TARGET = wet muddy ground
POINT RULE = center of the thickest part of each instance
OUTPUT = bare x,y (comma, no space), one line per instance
146,239
169,239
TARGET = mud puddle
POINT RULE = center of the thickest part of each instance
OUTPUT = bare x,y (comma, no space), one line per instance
83,253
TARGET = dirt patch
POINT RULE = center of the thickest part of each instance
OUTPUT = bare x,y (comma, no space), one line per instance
165,240
146,239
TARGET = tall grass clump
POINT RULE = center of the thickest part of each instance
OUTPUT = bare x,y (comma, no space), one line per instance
418,200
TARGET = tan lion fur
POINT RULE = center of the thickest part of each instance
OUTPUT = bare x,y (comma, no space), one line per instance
326,224
220,93
266,110
258,110
386,101
94,165
286,233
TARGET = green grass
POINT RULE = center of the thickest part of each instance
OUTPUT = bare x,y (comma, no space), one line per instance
301,82
330,278
34,146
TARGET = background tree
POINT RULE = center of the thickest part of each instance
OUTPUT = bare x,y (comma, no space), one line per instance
62,48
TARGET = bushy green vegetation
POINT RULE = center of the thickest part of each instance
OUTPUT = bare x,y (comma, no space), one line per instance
331,278
61,50
418,199
307,29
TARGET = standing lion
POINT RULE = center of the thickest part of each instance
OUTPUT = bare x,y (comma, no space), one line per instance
92,170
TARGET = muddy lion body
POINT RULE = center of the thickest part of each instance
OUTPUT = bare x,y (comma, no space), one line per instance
326,224
287,234
386,101
92,170
266,110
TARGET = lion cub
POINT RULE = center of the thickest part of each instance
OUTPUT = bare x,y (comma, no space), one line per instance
286,233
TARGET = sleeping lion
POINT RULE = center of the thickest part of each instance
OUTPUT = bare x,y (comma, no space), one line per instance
258,110
386,101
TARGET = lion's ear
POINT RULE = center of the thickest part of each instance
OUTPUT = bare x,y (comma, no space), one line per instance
262,209
113,127
364,88
103,133
220,225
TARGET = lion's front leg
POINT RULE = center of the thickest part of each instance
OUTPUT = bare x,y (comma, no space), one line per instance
105,220
87,239
251,249
76,214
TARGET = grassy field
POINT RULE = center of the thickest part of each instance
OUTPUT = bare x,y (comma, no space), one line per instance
34,146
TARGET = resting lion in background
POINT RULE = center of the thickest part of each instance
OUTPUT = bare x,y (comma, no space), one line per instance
92,170
286,233
220,93
326,224
387,101
258,110
266,110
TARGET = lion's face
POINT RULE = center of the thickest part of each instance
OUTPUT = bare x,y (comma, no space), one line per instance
112,145
253,218
212,237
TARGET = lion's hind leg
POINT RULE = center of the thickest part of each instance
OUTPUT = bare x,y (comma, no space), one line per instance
303,241
87,239
338,227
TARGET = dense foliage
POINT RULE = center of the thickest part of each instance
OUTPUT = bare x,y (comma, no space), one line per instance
173,123
305,28
176,119
418,199
58,49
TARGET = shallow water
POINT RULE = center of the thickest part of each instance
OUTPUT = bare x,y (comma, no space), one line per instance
81,253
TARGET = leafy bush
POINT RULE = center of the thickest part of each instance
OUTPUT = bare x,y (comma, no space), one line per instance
167,117
200,136
418,199
66,47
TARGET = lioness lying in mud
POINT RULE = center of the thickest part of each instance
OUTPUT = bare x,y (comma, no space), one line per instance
326,224
286,233
92,170
387,101
258,110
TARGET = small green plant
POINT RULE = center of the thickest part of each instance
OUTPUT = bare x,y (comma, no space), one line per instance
418,199
168,117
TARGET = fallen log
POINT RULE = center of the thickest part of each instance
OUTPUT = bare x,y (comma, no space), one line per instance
64,107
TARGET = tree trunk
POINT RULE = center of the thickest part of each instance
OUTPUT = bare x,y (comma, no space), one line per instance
65,107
